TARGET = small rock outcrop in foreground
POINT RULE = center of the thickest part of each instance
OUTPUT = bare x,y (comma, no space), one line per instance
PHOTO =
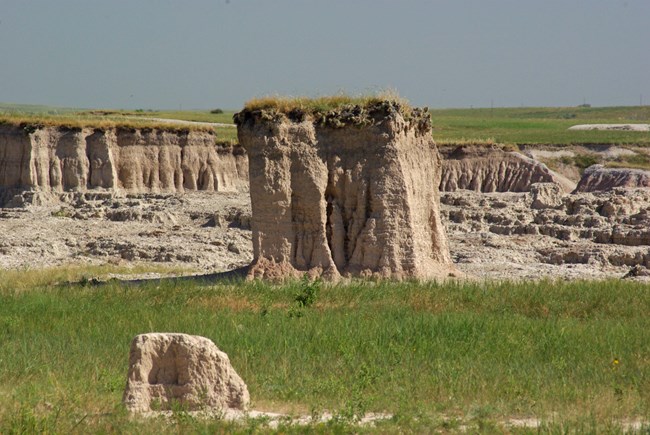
189,369
347,191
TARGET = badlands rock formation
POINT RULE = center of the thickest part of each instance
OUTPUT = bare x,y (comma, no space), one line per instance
199,232
600,178
490,169
603,229
185,368
351,191
57,159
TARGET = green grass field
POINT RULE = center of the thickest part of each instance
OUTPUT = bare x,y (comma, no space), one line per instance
516,126
42,115
437,356
538,126
512,126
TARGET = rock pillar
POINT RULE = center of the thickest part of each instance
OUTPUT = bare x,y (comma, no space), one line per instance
351,191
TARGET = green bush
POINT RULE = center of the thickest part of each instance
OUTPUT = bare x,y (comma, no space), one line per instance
583,161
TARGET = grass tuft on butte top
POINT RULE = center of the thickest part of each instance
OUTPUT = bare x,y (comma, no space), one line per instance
285,104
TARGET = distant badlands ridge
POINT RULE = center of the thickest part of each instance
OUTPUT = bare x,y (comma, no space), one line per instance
58,159
150,160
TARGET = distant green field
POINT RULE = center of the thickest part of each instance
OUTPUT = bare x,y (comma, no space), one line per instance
546,126
45,115
517,126
7,108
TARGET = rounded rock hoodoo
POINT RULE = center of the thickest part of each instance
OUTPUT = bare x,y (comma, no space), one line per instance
343,190
188,369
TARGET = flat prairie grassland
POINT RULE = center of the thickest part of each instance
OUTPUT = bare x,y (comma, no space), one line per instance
438,356
538,126
223,134
511,126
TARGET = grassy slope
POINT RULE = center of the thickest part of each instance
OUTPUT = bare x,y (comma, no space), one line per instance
475,353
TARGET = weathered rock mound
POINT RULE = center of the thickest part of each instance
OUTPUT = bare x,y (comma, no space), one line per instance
346,193
57,159
585,222
188,369
599,178
490,169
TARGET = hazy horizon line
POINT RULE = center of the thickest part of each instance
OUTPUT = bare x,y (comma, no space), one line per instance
7,105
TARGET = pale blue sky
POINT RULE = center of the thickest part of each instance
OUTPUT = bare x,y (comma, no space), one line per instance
219,53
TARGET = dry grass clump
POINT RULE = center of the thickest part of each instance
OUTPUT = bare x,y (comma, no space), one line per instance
336,111
471,141
286,104
34,121
15,281
640,160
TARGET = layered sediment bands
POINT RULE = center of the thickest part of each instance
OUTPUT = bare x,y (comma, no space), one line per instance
344,196
599,178
61,159
490,169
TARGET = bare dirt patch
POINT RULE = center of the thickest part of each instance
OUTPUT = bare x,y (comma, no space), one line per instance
492,236
207,232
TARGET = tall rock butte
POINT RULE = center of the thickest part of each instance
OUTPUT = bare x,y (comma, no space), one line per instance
348,191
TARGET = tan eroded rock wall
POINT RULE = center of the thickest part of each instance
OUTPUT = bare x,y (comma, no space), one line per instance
136,160
484,169
339,200
599,178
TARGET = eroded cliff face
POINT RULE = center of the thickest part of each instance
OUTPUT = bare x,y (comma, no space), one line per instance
599,178
56,159
350,193
486,169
